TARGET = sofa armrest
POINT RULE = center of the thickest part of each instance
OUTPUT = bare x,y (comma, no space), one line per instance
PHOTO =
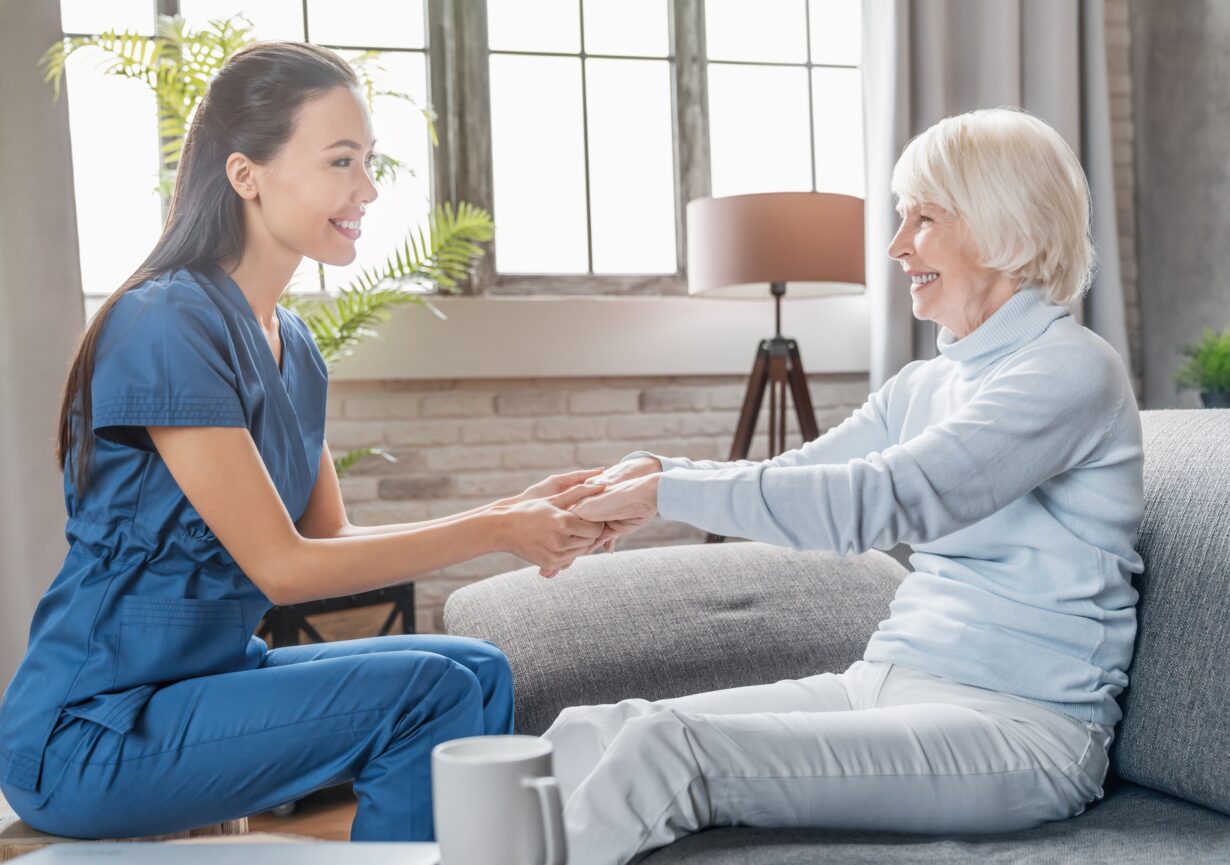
670,621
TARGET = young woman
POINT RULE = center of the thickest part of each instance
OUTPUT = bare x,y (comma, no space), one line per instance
200,490
1012,464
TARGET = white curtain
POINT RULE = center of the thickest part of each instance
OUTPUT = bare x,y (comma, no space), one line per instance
41,316
924,60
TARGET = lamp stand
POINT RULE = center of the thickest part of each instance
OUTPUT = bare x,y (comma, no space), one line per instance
777,366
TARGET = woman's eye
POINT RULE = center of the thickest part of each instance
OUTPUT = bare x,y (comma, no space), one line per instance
345,161
924,218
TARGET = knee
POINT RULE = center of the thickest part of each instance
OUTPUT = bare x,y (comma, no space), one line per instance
451,683
602,722
492,667
648,734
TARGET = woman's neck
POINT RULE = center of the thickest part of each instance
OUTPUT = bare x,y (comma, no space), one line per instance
262,279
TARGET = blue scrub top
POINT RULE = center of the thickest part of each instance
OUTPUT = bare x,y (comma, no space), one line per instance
147,595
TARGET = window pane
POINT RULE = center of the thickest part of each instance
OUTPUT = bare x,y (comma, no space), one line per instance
836,32
631,167
271,19
773,31
90,16
114,132
401,132
626,27
363,23
838,100
759,138
538,165
544,25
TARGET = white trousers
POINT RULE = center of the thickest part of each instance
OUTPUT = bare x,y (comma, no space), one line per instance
877,747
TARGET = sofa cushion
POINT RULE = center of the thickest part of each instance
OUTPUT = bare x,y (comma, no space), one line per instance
1130,825
670,621
1176,709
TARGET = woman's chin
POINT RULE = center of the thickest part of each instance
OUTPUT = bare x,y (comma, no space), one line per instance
335,257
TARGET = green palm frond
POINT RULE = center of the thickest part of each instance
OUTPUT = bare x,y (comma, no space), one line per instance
342,322
348,460
443,254
177,65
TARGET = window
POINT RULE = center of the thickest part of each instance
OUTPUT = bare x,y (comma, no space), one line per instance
582,136
796,62
584,126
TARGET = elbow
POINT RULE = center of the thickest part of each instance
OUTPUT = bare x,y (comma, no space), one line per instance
280,577
276,590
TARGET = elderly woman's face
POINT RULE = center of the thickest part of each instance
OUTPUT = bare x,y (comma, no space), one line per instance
947,284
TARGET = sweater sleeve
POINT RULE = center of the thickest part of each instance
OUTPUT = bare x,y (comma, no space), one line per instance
1043,412
863,432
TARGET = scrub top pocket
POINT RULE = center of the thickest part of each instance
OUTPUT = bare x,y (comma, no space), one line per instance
168,639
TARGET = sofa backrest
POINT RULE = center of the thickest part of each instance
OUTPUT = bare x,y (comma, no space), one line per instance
1175,732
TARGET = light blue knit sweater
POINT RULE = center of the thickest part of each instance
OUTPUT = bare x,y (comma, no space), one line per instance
1012,465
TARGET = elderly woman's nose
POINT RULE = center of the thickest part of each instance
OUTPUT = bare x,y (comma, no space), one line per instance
900,244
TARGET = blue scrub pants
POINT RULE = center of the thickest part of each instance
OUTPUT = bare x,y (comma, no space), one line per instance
220,747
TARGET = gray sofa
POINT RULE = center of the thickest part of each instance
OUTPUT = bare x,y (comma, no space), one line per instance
677,620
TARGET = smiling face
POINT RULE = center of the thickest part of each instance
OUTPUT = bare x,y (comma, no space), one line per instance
948,286
310,198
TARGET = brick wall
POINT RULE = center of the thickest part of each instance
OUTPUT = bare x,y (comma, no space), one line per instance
464,443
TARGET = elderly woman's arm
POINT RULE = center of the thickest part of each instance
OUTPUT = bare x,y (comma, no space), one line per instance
863,432
1038,416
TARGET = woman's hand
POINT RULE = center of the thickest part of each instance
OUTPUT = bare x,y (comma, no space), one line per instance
545,532
553,486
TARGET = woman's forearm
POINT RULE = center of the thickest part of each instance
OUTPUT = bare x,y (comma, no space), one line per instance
352,531
316,568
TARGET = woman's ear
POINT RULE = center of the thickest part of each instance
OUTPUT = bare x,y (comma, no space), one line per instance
240,171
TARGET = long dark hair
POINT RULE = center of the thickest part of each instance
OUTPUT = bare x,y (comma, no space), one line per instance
250,107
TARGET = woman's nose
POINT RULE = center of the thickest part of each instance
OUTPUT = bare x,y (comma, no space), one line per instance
900,245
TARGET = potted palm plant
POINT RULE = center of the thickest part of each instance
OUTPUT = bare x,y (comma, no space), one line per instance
177,64
1208,368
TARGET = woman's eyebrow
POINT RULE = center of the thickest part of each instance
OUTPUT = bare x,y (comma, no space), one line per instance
346,142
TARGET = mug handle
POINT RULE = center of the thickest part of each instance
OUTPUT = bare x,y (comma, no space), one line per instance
552,807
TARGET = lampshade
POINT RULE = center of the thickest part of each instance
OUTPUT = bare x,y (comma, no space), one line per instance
738,244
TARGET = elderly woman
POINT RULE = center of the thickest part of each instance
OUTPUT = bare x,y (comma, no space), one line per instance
1011,463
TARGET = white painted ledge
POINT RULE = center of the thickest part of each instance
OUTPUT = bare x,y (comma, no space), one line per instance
565,337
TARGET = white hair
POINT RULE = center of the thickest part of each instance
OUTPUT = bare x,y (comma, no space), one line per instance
1017,186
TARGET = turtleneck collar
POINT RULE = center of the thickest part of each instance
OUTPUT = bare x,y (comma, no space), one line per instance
1021,319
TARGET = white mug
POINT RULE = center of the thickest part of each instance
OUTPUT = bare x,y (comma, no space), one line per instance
496,802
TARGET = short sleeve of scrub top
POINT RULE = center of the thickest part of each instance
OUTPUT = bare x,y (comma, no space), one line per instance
162,363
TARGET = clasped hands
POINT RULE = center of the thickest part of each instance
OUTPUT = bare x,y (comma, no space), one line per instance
570,515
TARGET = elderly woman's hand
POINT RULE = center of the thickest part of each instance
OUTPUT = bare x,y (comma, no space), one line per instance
624,508
627,470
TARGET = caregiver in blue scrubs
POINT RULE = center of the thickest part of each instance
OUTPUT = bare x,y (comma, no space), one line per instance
200,490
